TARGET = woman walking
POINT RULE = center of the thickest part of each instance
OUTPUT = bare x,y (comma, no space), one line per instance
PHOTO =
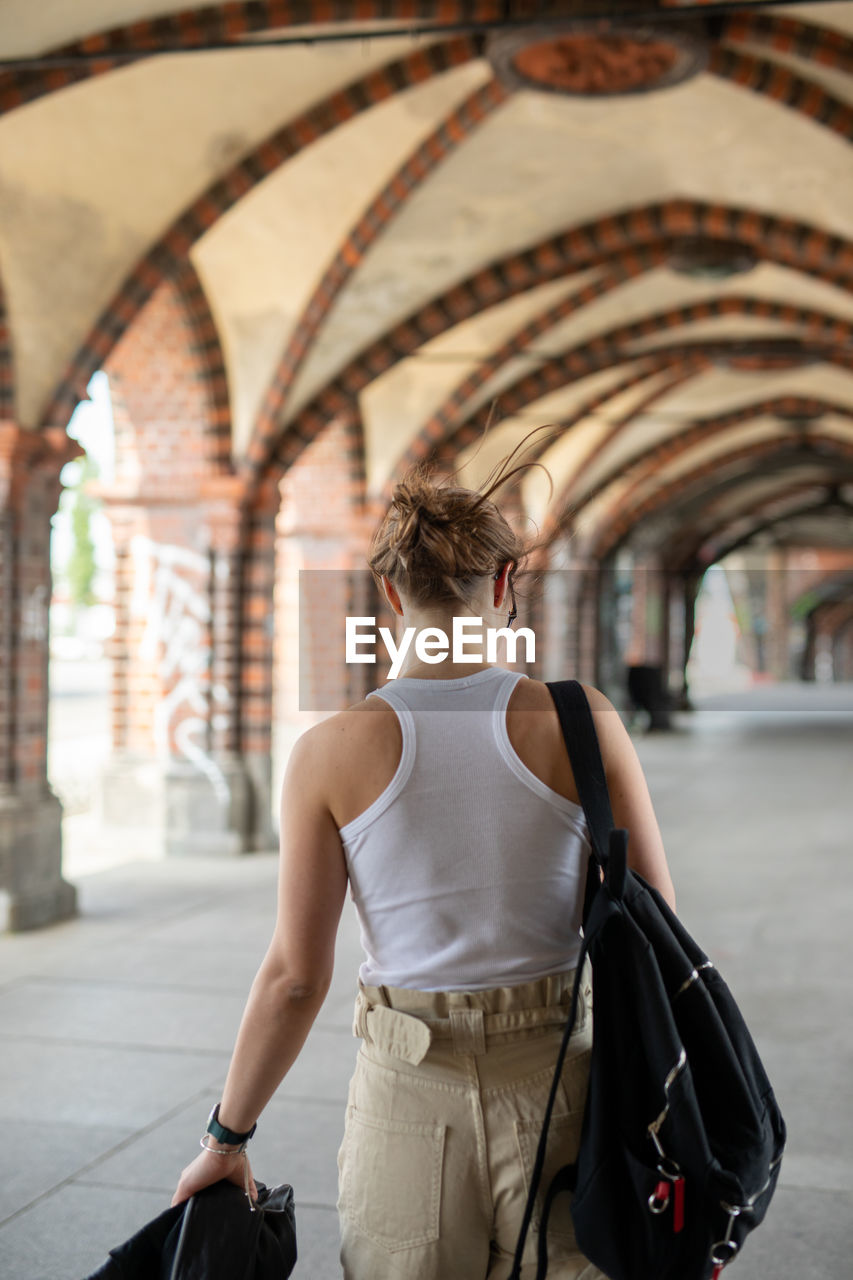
445,801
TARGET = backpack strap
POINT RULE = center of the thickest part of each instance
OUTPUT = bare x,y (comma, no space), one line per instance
585,758
608,853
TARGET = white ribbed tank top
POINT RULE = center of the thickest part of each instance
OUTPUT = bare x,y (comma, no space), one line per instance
467,872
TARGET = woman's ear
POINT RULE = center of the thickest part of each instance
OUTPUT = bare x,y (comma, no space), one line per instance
500,584
392,595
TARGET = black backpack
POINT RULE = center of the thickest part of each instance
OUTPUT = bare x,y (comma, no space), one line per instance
682,1138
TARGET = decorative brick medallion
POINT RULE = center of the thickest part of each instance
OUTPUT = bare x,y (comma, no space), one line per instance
596,58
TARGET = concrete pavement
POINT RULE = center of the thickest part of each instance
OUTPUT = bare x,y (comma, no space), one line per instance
116,1028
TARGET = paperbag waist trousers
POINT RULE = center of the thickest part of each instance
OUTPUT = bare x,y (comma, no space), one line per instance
443,1119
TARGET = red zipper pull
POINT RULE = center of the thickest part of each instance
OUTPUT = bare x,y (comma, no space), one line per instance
659,1198
678,1208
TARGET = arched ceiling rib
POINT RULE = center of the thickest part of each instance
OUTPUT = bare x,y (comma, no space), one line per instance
821,522
485,206
821,456
796,244
648,459
165,255
615,346
450,208
427,155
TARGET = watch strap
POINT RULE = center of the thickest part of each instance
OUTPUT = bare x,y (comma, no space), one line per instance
221,1134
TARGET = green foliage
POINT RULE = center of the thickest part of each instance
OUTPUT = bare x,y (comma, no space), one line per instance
81,567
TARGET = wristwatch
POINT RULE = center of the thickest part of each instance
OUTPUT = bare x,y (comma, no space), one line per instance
221,1134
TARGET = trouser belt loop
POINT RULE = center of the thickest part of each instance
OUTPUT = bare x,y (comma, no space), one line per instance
391,1031
468,1030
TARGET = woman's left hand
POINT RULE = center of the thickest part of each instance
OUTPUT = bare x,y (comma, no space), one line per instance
208,1168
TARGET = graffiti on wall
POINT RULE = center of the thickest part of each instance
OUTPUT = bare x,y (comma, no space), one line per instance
170,591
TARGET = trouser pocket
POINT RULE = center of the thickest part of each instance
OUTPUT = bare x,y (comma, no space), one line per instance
390,1179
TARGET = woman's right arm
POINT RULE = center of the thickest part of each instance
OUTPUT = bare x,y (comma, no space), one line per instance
629,796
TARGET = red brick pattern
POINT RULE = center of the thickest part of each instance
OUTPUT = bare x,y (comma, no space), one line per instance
762,75
257,622
168,391
416,168
612,348
230,23
215,25
791,36
30,463
209,363
444,423
631,232
168,255
564,505
163,406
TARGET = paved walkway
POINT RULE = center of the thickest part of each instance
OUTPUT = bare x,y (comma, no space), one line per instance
116,1028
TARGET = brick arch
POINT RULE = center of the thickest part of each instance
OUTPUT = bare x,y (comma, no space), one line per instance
770,79
168,429
618,270
689,555
164,259
697,433
607,350
805,40
798,245
425,158
620,523
469,430
227,24
216,25
210,362
681,369
825,588
686,361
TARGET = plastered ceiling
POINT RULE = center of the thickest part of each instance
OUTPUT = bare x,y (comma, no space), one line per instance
384,222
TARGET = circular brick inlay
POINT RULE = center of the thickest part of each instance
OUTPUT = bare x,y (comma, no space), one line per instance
595,58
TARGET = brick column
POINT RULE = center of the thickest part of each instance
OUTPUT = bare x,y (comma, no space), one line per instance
177,773
315,547
257,638
30,814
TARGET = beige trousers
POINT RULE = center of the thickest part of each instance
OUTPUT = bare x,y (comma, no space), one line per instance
444,1115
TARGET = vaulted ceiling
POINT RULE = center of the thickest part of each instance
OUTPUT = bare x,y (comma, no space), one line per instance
643,237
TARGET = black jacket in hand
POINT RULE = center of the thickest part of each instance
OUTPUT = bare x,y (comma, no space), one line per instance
212,1236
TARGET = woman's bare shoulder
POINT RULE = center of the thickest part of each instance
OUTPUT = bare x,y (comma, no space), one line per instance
533,695
359,742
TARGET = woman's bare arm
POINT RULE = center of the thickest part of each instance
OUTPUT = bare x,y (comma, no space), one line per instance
295,974
629,796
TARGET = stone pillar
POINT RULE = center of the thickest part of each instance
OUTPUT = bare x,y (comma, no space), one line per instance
647,655
260,596
588,623
778,614
682,631
30,814
177,775
559,657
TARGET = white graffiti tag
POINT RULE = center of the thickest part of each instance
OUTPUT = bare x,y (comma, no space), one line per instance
176,637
